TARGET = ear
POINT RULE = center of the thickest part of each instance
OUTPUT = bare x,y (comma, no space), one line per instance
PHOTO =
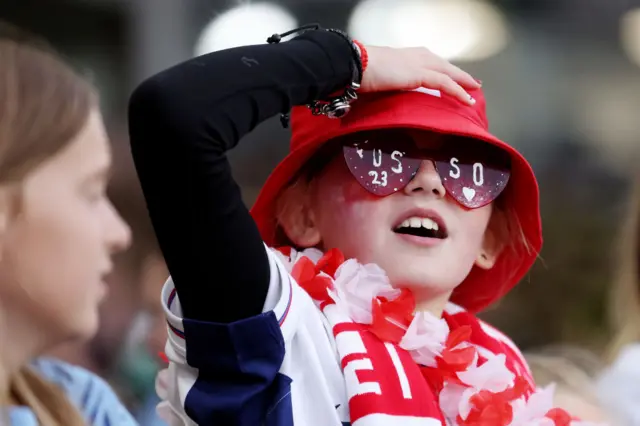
489,250
9,205
486,259
299,226
297,218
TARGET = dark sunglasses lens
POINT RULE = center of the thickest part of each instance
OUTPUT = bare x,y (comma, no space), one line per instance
381,167
472,184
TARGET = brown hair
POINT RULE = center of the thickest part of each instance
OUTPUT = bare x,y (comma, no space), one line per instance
624,304
44,104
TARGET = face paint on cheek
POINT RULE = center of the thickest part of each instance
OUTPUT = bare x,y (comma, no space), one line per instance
348,228
346,202
344,209
337,184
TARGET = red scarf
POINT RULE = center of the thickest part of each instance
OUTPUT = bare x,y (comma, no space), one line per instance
386,386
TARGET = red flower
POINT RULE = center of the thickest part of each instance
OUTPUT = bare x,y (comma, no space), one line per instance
391,318
457,359
304,270
521,388
559,417
452,361
330,262
488,409
307,275
494,409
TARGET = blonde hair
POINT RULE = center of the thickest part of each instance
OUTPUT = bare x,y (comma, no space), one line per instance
43,105
572,370
624,303
570,367
47,401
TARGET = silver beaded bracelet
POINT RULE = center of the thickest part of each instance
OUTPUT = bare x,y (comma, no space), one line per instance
339,106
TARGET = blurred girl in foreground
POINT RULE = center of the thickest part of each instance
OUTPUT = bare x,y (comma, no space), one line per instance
58,231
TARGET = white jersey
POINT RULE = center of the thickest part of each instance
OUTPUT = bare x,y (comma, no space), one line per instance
286,356
284,363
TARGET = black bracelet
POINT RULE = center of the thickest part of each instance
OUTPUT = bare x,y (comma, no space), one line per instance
357,57
339,106
277,38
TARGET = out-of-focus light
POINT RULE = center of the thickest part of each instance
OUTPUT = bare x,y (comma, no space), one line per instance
630,34
464,30
246,24
605,113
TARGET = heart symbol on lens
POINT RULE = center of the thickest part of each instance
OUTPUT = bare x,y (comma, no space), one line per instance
469,193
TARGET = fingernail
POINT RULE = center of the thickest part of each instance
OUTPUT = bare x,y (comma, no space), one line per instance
479,82
471,100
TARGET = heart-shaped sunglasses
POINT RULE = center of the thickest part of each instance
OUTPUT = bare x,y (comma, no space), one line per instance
472,172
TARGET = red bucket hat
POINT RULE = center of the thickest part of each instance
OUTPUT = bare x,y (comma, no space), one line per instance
424,110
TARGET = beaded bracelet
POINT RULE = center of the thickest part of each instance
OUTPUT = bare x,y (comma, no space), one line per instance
339,106
364,55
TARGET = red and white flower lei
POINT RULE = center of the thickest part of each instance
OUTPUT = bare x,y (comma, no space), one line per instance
470,392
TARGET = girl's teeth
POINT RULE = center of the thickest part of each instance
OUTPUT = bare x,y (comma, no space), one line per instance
417,222
429,224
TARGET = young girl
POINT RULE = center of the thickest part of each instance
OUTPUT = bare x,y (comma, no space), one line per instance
381,217
58,231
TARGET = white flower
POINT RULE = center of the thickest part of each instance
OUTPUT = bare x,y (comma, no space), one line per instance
356,286
450,399
312,253
425,338
532,412
493,375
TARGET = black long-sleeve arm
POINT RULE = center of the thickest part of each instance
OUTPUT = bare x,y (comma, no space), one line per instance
181,123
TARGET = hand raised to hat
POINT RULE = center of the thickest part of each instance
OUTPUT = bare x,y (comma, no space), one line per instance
411,68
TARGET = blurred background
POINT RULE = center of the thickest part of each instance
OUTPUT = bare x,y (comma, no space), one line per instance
562,80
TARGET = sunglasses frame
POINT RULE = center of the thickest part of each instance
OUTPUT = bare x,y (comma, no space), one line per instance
436,156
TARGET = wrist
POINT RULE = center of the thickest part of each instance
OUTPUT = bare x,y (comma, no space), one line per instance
336,106
356,56
364,55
